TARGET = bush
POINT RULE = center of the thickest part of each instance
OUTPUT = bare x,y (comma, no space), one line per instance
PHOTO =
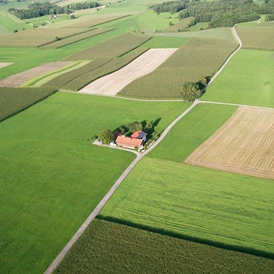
15,31
72,16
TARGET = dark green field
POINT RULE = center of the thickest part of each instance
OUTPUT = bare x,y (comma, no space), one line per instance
108,247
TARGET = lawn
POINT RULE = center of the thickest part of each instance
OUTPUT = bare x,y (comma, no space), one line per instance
195,59
191,131
247,79
108,247
257,37
51,176
214,207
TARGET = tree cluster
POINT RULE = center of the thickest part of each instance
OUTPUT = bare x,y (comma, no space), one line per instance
40,9
222,13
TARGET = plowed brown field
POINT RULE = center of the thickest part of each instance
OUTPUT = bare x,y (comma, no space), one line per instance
114,82
244,144
20,78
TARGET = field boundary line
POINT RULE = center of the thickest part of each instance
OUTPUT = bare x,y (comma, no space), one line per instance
98,208
237,38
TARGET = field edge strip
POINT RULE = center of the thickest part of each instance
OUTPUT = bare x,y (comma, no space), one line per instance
165,232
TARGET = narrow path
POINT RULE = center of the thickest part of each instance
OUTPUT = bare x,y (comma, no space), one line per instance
94,213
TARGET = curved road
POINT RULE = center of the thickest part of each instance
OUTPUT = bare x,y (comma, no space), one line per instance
94,213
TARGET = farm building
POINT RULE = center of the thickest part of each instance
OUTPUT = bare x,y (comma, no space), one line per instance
137,139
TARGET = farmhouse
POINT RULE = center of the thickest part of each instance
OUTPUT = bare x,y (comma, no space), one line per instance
137,139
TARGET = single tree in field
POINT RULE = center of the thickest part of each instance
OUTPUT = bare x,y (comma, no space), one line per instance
106,136
191,91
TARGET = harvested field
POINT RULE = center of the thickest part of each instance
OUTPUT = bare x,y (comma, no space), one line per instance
244,144
144,64
181,25
3,65
22,77
75,38
111,48
38,37
97,20
257,37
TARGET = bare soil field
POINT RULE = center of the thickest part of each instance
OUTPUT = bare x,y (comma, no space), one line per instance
244,144
22,77
114,82
3,65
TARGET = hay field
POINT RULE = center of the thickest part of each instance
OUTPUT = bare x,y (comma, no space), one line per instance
144,64
244,144
111,48
22,77
196,58
38,37
209,206
257,37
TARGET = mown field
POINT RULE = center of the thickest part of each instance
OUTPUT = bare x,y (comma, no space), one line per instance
132,250
214,207
247,79
14,100
164,42
180,26
111,48
51,176
257,37
197,58
191,131
38,37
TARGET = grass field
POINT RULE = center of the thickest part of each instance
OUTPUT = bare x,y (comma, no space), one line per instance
247,79
180,26
14,100
257,37
75,38
242,145
150,21
197,58
8,24
214,206
164,42
111,48
191,131
218,33
51,177
132,250
38,37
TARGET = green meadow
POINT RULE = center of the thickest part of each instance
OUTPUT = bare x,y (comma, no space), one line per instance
247,79
191,131
52,177
220,208
132,250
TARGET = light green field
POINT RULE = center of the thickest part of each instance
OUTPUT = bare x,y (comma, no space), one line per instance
205,204
165,42
51,176
18,5
191,131
150,21
197,58
218,33
247,79
199,26
9,23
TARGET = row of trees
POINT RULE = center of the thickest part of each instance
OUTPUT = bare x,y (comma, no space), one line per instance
222,13
40,9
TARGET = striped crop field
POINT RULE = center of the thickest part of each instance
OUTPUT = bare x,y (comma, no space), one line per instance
257,37
244,144
111,48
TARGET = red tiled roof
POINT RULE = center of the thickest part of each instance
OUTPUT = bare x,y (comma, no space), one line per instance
128,142
136,134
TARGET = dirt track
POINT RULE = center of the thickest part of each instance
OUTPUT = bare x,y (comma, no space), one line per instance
114,82
244,144
2,65
22,77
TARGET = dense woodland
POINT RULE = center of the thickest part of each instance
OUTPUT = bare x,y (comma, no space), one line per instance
40,9
222,13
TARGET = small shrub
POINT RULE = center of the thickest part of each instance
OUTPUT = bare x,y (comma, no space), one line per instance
15,31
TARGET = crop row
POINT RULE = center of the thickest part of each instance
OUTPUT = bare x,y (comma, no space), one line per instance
108,247
75,38
198,57
15,100
109,67
111,48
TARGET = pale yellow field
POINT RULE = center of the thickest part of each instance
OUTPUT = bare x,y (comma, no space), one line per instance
244,144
